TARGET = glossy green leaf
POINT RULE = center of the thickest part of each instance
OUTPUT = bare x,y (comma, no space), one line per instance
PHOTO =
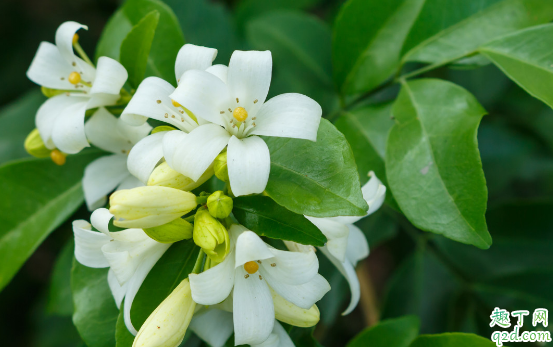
167,41
123,337
300,46
367,41
398,332
452,340
135,48
315,178
265,217
303,337
446,30
37,196
527,58
95,310
17,120
60,301
433,164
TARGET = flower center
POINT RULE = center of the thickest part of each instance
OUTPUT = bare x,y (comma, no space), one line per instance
74,77
240,114
251,267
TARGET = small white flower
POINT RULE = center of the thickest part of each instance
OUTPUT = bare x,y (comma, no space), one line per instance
107,173
60,120
347,244
253,268
130,254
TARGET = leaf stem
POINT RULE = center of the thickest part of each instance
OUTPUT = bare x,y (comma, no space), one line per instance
199,262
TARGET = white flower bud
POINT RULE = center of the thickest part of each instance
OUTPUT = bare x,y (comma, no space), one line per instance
291,314
165,176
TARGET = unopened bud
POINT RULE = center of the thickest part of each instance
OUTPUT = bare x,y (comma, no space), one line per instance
165,176
291,314
35,146
211,235
167,325
148,207
220,167
174,231
219,205
163,128
49,92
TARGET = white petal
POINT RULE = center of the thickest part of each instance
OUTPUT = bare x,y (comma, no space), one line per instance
278,338
171,142
203,94
100,219
289,115
249,78
213,326
358,247
110,77
302,295
198,150
336,233
192,57
145,155
49,69
132,133
272,341
102,131
249,165
88,245
101,177
292,267
346,269
214,285
254,312
118,291
68,133
250,247
64,42
129,183
219,70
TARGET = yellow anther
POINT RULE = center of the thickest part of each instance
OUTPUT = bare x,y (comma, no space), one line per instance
240,114
74,77
75,38
176,104
57,157
251,267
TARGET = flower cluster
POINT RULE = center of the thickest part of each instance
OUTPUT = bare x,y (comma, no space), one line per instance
215,121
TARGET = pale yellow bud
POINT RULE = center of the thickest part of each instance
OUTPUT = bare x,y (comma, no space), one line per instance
219,205
165,176
174,231
211,235
220,167
148,207
291,314
166,326
35,146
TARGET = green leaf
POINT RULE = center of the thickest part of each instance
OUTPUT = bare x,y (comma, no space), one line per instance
300,46
448,30
37,196
316,179
265,217
167,41
60,301
123,337
452,340
135,48
17,120
398,332
367,52
433,164
95,311
526,57
366,130
303,337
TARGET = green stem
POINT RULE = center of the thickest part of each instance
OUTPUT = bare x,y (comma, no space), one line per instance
190,219
82,53
199,261
201,200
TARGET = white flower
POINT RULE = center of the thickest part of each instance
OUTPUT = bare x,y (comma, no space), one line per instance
60,120
107,173
346,244
253,268
130,254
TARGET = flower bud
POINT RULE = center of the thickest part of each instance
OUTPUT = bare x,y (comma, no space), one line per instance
165,176
174,231
166,326
148,207
211,235
291,314
35,146
220,167
219,205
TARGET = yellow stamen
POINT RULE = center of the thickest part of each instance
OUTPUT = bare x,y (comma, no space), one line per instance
57,157
74,77
75,38
176,104
251,267
240,114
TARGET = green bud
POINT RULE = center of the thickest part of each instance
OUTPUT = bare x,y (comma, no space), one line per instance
211,235
219,205
35,146
220,167
165,176
49,92
163,128
174,231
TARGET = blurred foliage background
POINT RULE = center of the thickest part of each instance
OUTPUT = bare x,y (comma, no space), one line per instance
450,286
